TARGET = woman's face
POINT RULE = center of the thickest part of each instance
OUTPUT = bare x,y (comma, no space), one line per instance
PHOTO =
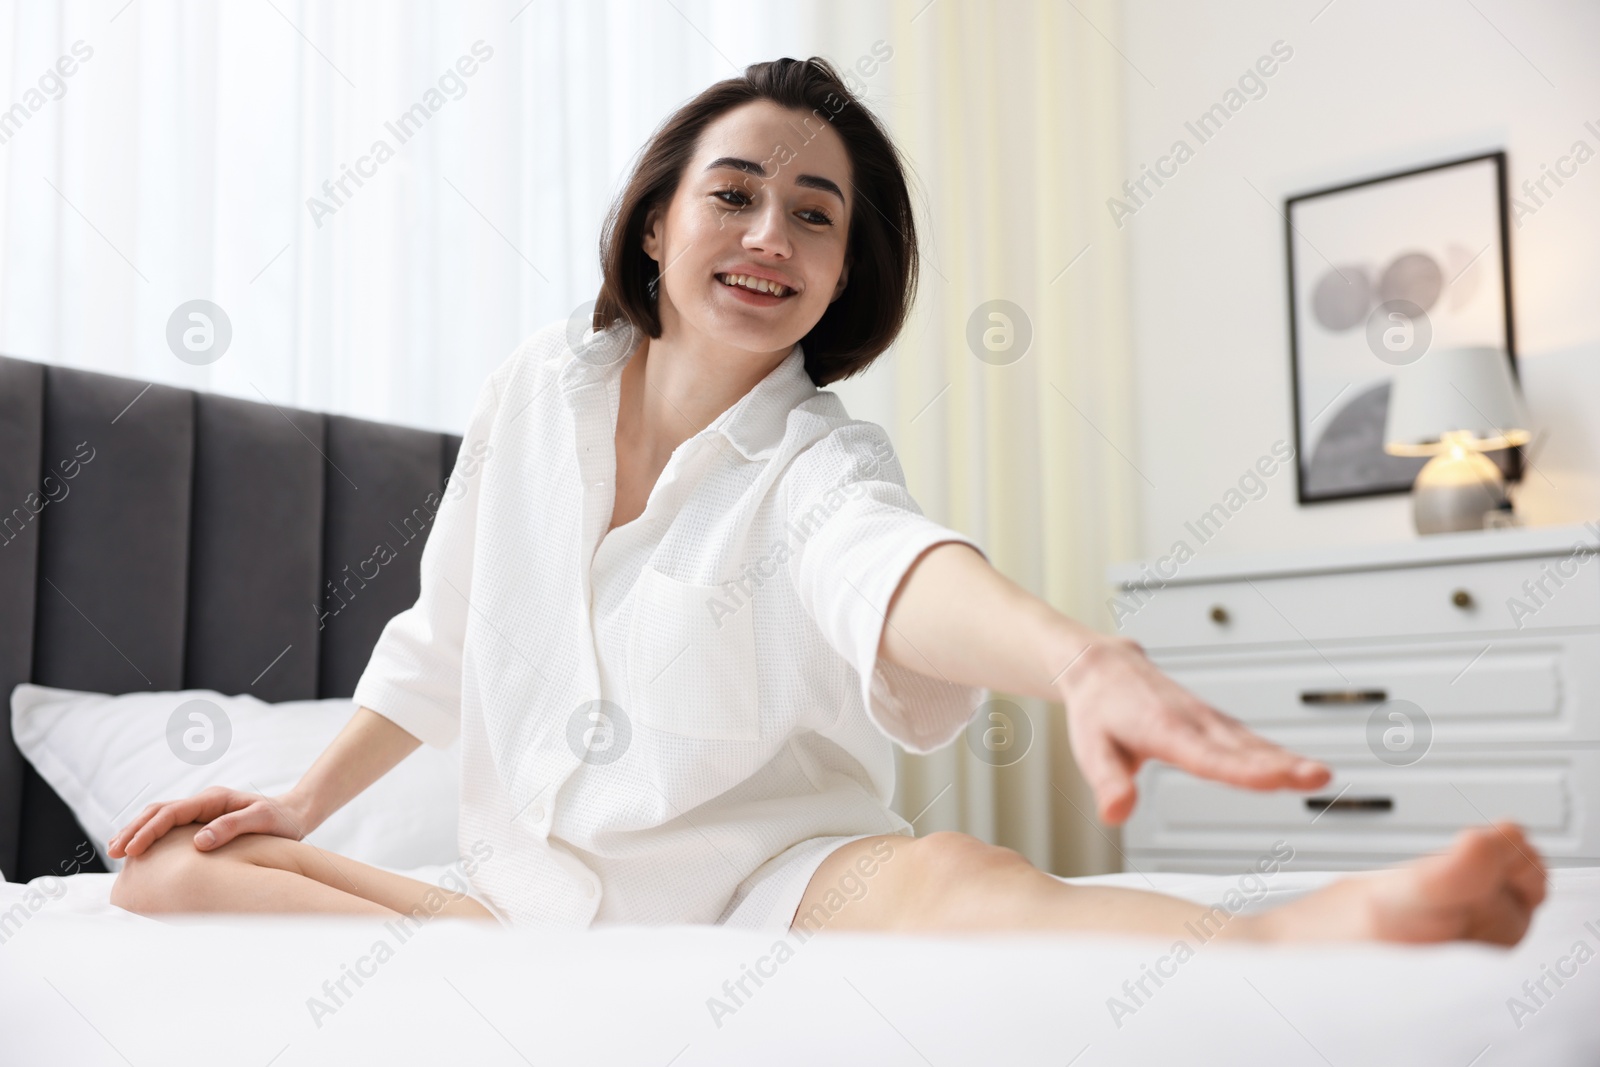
766,194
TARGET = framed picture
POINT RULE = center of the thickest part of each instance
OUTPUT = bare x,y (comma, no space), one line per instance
1381,271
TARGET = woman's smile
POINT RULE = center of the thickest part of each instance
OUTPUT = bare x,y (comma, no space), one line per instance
757,292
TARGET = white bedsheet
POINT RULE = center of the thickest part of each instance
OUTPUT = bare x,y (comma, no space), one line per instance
86,983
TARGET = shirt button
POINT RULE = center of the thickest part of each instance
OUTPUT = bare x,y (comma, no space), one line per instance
588,890
536,813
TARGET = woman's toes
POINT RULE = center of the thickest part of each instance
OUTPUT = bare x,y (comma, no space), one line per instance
1502,883
1529,879
1458,873
1484,887
1503,919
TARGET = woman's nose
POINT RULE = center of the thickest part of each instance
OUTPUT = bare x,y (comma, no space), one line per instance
768,231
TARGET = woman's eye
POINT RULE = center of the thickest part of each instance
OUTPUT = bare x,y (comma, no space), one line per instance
739,199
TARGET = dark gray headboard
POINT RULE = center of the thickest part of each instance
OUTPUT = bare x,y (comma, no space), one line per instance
204,537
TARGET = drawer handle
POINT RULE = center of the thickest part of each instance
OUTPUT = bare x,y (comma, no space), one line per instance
1461,599
1344,696
1219,615
1350,803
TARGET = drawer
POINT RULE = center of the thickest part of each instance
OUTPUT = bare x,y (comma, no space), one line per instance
1538,690
1371,809
1235,864
1458,599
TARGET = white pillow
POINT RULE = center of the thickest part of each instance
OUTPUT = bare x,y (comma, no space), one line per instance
109,756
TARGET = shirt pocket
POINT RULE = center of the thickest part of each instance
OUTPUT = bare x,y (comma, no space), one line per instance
691,673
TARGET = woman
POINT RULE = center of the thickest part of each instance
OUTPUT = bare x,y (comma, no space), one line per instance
677,604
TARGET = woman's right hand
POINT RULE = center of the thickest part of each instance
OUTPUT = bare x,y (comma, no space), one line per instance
227,813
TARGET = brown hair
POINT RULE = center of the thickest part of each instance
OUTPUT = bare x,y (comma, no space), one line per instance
882,243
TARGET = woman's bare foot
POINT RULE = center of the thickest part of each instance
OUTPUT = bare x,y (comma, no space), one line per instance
1484,887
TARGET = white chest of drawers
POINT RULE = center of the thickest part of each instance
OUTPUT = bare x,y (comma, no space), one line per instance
1448,681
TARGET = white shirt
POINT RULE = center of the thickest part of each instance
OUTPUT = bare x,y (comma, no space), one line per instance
731,631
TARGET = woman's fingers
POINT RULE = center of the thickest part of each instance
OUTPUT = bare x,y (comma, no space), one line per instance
1296,770
114,846
154,827
1208,743
255,818
1106,770
199,808
119,844
1126,711
1252,762
226,814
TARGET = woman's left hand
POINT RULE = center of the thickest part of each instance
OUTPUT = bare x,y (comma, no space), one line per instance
1122,710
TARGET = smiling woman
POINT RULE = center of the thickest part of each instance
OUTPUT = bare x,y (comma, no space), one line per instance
770,189
747,760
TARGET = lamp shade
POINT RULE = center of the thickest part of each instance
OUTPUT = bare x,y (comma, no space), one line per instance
1467,390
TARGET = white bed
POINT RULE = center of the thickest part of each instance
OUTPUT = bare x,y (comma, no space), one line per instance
237,990
206,584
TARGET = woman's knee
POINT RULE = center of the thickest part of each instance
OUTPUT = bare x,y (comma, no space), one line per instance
148,882
951,873
907,883
172,875
948,855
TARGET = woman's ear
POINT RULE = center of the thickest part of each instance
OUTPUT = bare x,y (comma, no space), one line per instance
844,278
651,242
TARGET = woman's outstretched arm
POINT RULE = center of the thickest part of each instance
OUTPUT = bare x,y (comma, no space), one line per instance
956,618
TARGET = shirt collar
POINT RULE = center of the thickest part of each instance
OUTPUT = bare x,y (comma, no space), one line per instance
754,424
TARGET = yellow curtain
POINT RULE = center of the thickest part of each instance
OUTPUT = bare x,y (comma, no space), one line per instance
1010,115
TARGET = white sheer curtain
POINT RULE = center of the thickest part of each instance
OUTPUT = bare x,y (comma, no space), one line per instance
176,163
179,160
1011,113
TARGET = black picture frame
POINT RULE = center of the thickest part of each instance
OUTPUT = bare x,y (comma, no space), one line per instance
1397,473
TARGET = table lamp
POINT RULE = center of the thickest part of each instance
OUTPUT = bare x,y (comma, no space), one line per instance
1455,404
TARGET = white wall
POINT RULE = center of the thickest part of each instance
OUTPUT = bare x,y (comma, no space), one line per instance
1372,87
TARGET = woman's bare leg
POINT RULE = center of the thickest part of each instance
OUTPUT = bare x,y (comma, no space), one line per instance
1484,887
266,874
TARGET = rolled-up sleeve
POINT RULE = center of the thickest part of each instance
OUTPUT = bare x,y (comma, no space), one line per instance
857,531
414,675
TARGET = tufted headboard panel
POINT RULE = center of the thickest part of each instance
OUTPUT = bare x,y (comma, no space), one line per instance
155,538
